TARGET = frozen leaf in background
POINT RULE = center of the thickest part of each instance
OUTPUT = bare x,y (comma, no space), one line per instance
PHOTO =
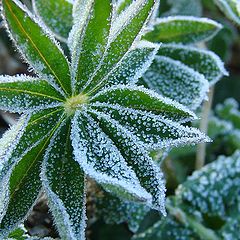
184,8
177,81
207,201
229,111
202,61
182,29
56,14
231,8
115,211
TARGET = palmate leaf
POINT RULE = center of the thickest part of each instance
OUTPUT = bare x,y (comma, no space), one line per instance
182,29
57,15
103,145
42,53
231,8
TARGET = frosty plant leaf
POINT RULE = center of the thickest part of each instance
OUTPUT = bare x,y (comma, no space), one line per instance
57,15
182,29
205,205
231,8
86,118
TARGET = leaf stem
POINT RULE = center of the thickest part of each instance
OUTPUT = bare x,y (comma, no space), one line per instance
201,148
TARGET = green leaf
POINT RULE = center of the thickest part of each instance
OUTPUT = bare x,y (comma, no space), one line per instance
57,15
202,61
231,8
101,160
163,133
64,184
175,80
140,98
184,8
21,166
134,64
115,211
24,94
182,29
123,5
137,157
126,30
37,45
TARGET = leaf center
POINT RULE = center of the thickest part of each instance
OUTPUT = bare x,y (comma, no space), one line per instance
74,103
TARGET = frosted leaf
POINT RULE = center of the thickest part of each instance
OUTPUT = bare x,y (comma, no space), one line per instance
168,229
230,229
137,157
231,8
182,29
115,211
61,21
36,43
125,32
22,93
184,8
140,98
134,64
64,183
202,61
175,80
215,188
101,160
154,131
90,46
20,174
229,111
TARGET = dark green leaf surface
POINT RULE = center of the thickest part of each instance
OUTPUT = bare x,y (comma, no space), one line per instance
202,61
140,98
56,14
93,43
24,179
35,43
64,184
184,30
175,80
124,32
18,94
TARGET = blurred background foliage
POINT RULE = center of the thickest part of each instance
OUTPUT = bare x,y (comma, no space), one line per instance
224,130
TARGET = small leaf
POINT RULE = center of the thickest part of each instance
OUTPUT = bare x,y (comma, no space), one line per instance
22,93
154,131
202,61
20,174
126,30
37,45
143,99
101,160
183,29
115,211
56,14
64,184
231,8
175,80
89,44
136,156
134,64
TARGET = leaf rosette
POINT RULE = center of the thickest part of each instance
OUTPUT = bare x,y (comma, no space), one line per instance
84,117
